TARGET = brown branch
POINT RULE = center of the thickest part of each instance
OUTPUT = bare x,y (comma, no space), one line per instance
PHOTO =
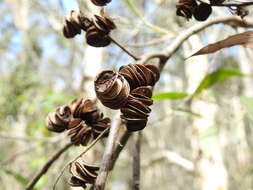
108,154
121,144
46,166
171,49
136,162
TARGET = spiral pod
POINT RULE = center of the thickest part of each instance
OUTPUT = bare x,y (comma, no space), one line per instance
202,11
58,120
80,133
185,8
82,174
112,89
100,125
97,28
84,109
135,113
100,2
74,23
98,34
140,75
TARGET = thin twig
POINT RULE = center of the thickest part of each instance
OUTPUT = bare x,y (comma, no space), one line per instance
46,166
136,161
79,156
124,49
108,154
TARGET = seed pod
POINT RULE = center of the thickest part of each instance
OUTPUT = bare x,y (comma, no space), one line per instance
140,75
202,12
80,133
216,2
59,119
97,35
135,113
74,23
82,174
100,2
185,8
112,89
100,125
84,109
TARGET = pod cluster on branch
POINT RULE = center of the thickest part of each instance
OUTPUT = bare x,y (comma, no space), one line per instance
97,28
201,10
82,174
81,118
100,2
129,90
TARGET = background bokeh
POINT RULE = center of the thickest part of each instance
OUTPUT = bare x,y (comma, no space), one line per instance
199,143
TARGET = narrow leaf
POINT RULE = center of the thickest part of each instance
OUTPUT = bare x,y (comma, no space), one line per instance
216,77
245,39
169,95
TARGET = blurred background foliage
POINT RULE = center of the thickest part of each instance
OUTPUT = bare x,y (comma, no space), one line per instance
199,134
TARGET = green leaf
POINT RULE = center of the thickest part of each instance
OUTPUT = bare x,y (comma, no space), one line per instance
216,77
169,95
19,178
248,104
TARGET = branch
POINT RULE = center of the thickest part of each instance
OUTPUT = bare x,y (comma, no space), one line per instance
136,161
47,165
108,154
170,50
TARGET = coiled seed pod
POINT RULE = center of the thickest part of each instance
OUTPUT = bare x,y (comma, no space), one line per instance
100,2
84,109
140,75
202,12
80,133
74,23
135,113
112,89
185,8
97,28
82,174
59,119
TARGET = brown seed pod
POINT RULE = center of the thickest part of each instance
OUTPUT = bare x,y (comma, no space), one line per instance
112,89
135,113
59,119
140,75
82,174
80,133
100,2
84,109
74,23
185,8
100,125
202,11
97,35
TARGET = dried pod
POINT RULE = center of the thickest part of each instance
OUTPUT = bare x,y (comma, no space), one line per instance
100,125
59,119
74,23
97,35
84,109
100,2
216,2
185,8
140,75
112,89
80,133
202,11
135,113
82,174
